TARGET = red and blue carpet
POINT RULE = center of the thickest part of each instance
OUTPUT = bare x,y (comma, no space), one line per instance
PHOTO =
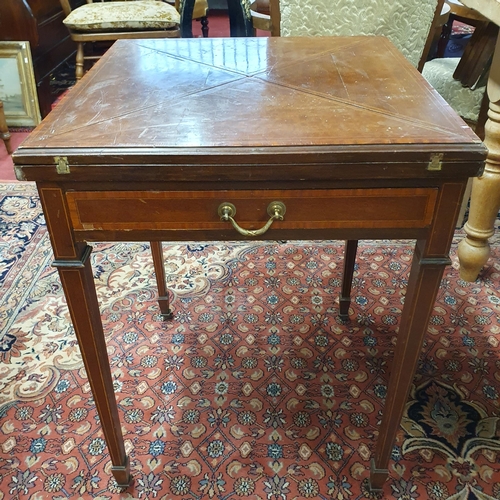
256,389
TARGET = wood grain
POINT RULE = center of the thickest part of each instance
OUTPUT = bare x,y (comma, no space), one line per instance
192,210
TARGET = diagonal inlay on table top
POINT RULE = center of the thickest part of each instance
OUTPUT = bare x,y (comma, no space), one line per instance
256,55
355,86
256,93
196,69
306,71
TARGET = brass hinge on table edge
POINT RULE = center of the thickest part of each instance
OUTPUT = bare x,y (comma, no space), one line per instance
436,162
62,165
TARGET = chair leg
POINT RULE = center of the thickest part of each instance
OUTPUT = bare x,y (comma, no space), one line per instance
483,116
4,130
204,26
159,267
351,247
79,60
444,37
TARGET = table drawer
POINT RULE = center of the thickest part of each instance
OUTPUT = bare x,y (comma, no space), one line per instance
305,209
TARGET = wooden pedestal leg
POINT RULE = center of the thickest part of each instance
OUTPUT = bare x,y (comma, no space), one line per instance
79,288
79,60
351,247
161,283
425,278
474,250
4,130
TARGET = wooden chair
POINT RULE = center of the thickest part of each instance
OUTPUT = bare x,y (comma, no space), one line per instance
266,16
245,16
4,130
461,81
113,20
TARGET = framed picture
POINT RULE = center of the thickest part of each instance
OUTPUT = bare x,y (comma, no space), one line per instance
17,85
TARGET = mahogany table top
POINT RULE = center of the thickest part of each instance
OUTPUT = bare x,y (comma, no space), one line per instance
344,97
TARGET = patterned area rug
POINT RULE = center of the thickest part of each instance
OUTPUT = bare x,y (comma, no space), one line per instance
256,389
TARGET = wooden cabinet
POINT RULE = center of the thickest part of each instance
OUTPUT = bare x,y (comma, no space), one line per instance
40,23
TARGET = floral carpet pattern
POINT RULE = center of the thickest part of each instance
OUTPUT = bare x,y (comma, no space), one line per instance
256,389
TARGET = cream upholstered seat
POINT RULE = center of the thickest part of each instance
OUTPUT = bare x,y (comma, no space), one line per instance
113,20
129,15
462,81
465,101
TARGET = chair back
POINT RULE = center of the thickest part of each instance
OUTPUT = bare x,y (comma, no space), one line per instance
407,23
266,16
186,9
240,18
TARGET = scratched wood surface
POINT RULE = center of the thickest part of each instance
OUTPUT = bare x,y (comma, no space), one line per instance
255,92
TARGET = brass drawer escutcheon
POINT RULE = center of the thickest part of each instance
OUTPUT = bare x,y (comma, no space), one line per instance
276,211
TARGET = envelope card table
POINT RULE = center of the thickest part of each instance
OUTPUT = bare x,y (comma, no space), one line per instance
251,138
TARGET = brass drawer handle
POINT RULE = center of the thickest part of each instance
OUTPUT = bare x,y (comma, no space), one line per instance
276,210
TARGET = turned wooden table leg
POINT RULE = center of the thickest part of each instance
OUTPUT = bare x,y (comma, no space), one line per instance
425,278
4,130
474,250
351,247
161,282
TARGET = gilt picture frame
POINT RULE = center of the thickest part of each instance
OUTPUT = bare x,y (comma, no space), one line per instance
17,85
